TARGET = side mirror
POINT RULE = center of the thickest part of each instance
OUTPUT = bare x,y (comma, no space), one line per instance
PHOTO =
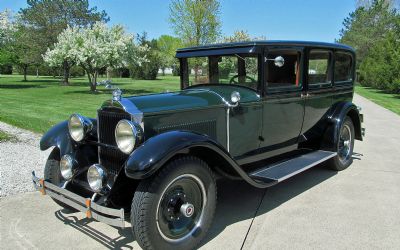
235,98
279,61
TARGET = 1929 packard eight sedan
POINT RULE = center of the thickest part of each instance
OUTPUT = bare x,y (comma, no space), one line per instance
257,111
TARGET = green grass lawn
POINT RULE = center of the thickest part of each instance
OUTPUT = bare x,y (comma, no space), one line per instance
41,102
386,100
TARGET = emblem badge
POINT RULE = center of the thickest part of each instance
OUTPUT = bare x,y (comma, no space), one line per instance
116,95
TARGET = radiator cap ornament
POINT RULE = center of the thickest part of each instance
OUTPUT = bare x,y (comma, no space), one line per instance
116,95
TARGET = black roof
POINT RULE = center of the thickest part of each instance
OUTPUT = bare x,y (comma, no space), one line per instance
253,44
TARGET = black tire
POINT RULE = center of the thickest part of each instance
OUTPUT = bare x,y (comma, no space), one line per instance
344,148
155,195
52,174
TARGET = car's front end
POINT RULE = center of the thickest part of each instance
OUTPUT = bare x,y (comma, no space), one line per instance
101,160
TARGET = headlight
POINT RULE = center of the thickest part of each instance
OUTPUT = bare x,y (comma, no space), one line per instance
96,177
67,167
79,126
127,135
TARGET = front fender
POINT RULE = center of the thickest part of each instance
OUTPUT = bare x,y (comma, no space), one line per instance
156,151
57,136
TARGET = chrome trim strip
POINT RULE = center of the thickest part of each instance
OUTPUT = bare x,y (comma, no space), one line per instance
97,212
227,128
129,107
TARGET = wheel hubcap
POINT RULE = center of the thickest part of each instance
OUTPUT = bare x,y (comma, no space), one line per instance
187,210
344,148
180,208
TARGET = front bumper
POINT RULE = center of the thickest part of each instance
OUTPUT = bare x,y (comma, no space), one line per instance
110,216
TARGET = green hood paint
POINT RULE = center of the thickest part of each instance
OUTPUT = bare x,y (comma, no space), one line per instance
197,97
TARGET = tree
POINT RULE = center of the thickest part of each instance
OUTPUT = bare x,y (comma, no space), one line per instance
196,22
46,19
147,68
367,26
167,45
93,48
7,30
241,36
373,29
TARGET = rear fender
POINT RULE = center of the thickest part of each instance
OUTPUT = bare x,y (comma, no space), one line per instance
336,119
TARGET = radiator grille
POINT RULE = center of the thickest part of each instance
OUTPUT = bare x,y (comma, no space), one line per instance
110,157
203,127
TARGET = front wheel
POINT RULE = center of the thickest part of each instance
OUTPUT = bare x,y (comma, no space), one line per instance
344,147
174,209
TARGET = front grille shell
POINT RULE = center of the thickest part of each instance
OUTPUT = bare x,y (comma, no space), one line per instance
110,156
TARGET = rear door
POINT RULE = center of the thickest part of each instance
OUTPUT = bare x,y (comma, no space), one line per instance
319,65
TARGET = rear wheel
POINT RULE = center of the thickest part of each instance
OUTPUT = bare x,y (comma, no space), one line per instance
174,209
52,174
344,147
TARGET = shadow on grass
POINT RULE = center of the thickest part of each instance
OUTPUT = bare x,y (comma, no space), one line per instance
20,86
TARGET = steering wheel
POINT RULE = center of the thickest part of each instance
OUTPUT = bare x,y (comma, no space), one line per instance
233,79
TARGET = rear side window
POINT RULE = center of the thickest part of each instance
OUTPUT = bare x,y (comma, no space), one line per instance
343,67
319,67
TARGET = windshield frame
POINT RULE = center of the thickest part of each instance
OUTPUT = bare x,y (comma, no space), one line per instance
184,70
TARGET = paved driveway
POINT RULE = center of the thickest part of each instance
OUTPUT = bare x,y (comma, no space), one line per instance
357,208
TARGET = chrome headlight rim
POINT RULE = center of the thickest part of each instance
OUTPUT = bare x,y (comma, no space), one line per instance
78,127
67,167
128,135
96,177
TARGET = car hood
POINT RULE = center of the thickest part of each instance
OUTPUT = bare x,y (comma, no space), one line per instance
196,97
186,99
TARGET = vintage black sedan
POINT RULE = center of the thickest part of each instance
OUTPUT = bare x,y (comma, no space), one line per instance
258,111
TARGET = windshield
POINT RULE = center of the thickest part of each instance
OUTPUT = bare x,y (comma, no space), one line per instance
231,69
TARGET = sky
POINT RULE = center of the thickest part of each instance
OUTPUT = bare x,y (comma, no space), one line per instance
309,20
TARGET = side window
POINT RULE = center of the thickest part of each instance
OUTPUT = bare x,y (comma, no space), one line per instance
343,67
319,67
286,75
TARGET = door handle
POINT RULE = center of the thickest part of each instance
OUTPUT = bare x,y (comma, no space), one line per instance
303,96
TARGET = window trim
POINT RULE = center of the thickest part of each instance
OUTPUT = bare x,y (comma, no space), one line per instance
346,82
272,90
319,85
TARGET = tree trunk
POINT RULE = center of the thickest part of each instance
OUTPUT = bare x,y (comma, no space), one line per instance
25,68
66,68
93,84
163,71
37,72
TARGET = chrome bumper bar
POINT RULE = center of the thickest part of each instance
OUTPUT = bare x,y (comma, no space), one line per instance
110,216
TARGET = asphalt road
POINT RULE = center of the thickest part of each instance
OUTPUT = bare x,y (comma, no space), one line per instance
358,208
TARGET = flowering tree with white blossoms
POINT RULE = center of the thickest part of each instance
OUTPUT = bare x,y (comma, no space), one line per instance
93,49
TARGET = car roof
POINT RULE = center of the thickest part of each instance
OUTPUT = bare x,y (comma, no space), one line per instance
241,45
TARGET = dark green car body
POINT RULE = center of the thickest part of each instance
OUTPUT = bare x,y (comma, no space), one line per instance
267,123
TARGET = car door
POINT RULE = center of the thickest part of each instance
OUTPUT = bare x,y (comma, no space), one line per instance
283,104
319,90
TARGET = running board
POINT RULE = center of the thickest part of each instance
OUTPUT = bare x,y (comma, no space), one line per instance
281,171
